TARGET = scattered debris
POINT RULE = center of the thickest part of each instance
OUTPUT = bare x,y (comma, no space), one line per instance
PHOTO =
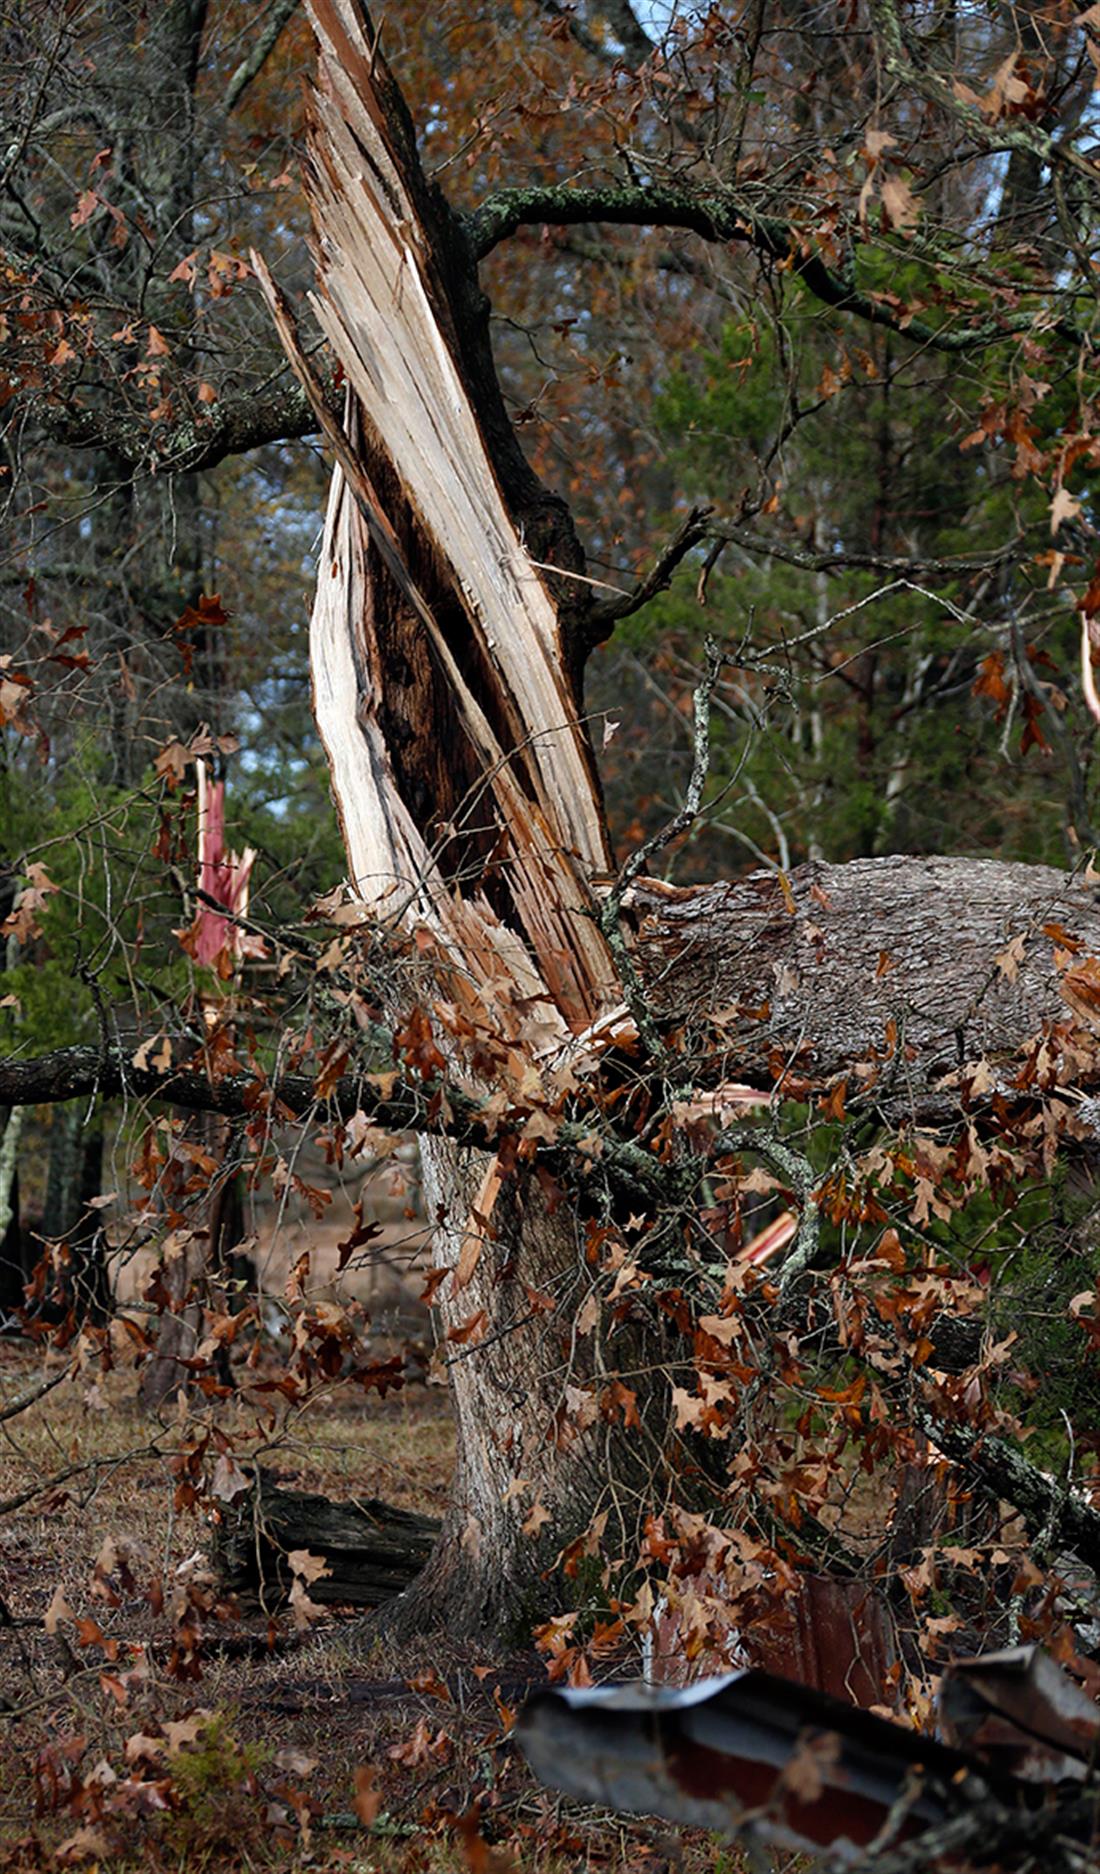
787,1766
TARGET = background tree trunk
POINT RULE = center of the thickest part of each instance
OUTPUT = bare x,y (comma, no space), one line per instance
14,1272
209,1259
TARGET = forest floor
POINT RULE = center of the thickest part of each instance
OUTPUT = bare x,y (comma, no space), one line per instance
264,1744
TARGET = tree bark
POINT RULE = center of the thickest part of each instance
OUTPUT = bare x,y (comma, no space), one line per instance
530,1477
447,689
77,1280
958,954
189,1276
179,1325
371,1550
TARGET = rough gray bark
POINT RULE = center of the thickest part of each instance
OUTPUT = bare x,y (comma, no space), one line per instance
1058,1512
529,1478
179,1327
816,971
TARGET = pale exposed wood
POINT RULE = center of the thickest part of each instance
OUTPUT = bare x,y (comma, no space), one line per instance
392,866
374,303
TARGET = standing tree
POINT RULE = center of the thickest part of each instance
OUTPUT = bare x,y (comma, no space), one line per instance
608,1070
448,683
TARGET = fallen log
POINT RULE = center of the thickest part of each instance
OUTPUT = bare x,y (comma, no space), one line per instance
371,1549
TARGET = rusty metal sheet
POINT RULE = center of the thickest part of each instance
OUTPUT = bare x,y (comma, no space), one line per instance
1019,1709
840,1640
835,1635
750,1754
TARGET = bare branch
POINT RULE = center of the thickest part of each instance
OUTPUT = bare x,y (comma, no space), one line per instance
693,798
963,563
97,1465
690,532
280,413
266,40
992,136
77,1072
1064,1514
30,1397
724,215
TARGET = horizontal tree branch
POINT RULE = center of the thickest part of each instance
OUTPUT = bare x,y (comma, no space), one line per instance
723,215
83,1072
602,618
1060,1513
279,413
53,1481
901,964
927,567
953,958
13,1407
426,1107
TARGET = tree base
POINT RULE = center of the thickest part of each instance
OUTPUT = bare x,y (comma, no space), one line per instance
471,1601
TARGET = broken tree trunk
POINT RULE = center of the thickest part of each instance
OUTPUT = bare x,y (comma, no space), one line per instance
446,677
467,794
371,1550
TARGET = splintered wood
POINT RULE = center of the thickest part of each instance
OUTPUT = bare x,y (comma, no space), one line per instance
544,959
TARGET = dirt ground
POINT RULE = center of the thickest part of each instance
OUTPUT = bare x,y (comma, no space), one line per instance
290,1728
311,1745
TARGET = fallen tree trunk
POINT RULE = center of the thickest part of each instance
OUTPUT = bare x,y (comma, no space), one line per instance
371,1550
904,970
811,970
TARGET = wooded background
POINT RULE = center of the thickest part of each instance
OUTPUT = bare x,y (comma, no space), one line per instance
775,325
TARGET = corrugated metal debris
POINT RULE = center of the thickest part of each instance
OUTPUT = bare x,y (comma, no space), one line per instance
786,1765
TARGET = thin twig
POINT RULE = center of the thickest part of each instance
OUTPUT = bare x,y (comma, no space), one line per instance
611,910
33,1393
692,529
